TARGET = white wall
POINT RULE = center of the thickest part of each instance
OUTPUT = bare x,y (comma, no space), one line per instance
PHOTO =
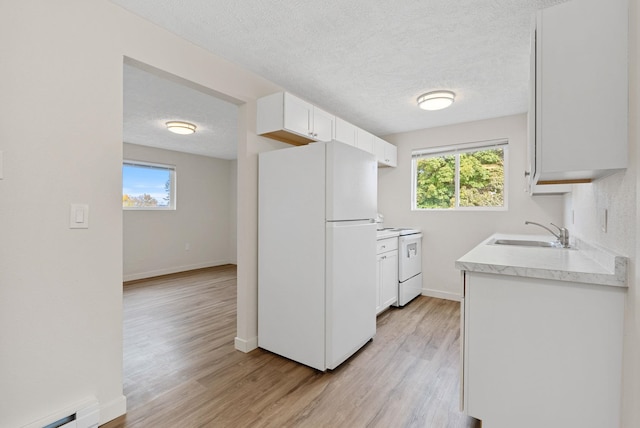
61,136
247,327
620,195
450,234
155,242
233,212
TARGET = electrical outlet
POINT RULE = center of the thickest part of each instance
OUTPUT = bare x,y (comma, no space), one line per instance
604,214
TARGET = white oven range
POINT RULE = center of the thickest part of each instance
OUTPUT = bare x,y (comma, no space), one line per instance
409,265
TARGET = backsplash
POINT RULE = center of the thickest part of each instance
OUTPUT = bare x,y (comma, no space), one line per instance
585,206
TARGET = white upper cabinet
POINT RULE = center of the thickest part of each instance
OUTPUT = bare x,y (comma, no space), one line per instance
386,153
287,118
297,115
345,132
578,110
365,141
323,125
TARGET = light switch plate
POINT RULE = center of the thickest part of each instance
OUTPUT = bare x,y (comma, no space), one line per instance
79,216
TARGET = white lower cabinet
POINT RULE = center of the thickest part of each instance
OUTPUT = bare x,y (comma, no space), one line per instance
387,274
541,353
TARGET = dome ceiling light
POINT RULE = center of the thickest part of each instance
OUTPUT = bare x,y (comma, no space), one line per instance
182,128
436,100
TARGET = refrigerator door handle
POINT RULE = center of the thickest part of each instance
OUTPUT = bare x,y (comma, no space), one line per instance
351,222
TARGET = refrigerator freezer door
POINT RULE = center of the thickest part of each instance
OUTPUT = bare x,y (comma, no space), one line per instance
351,288
352,183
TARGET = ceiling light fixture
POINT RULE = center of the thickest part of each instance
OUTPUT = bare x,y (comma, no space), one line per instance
183,128
436,100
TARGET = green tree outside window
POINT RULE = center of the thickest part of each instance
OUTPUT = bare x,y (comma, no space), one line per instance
465,179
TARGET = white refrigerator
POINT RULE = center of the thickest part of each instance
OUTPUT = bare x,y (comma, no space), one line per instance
317,252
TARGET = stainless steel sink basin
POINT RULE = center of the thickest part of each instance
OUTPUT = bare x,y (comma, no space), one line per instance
526,243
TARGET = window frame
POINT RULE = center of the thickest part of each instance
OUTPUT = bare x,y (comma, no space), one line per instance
172,187
456,150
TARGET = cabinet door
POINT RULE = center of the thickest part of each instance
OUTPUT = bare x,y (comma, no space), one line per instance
365,141
297,115
389,282
379,276
390,154
380,148
323,125
386,153
565,364
345,132
530,173
582,85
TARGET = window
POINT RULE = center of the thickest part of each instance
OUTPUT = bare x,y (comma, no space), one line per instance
466,176
148,186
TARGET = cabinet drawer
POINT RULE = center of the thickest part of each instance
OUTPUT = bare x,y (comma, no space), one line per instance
385,245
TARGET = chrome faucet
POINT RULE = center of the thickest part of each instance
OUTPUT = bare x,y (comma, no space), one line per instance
563,235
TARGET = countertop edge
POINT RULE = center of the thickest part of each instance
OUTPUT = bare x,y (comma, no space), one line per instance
586,278
616,264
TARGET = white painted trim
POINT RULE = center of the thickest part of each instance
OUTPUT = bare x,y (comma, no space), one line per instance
113,409
247,345
175,269
442,294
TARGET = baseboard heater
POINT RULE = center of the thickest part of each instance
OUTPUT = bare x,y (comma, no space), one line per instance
84,414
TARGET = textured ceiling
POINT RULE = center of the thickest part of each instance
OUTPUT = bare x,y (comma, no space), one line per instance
151,100
368,60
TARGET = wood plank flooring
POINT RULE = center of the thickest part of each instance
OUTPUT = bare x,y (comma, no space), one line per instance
181,368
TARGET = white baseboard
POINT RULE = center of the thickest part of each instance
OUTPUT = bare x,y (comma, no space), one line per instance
247,345
442,294
87,415
113,409
170,270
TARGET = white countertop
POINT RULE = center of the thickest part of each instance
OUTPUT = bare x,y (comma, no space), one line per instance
387,233
582,263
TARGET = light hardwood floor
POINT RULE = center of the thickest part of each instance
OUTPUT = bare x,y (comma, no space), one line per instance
181,368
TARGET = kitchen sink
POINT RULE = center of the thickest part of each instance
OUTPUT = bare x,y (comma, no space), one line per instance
526,243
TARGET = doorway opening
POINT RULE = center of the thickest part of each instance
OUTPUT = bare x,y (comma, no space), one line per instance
198,228
192,240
